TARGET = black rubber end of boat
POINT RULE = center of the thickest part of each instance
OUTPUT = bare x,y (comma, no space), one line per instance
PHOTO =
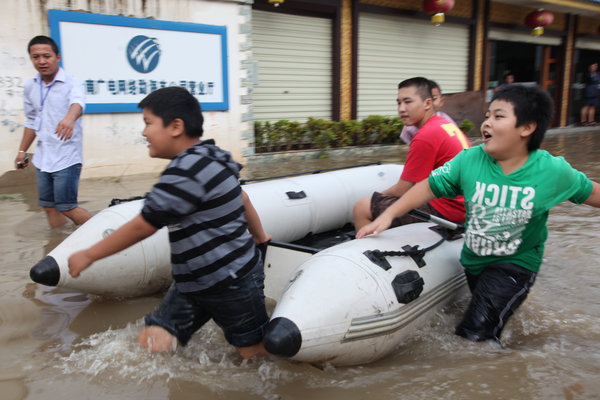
282,337
46,272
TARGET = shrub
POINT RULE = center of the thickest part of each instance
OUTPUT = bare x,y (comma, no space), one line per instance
466,126
325,134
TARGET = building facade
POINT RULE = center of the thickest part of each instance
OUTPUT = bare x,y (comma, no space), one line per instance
374,44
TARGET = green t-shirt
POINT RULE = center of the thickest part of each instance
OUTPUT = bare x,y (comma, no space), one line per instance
507,214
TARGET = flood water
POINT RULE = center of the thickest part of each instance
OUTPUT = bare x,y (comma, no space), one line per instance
56,344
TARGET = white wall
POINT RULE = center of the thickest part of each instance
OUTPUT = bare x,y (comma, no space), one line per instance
112,142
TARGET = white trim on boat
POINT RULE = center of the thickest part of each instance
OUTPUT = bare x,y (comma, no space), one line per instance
384,324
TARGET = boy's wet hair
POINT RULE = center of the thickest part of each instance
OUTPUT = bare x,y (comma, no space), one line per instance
41,39
423,86
531,105
175,102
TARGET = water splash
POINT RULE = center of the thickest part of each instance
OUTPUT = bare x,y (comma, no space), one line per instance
207,360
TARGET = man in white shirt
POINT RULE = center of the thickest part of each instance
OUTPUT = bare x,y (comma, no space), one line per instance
53,103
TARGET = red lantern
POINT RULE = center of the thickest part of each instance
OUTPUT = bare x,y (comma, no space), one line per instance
537,20
437,8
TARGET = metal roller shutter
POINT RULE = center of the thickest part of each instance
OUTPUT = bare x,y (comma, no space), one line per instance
392,48
588,44
294,66
522,37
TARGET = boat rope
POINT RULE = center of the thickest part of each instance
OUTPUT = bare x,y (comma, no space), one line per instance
379,256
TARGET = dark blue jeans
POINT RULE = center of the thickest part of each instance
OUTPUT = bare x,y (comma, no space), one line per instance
496,294
238,309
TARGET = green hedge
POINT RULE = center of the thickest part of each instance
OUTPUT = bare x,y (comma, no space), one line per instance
287,135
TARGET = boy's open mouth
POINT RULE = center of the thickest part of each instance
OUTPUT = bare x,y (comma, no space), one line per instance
486,135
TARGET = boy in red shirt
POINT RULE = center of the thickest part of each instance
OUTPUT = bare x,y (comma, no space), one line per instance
436,142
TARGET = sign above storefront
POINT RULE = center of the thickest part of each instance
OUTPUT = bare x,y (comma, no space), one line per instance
122,59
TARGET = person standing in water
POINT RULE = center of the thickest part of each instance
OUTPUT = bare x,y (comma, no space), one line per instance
53,103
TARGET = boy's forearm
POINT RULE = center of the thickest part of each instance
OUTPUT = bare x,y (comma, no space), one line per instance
399,189
418,195
594,198
28,138
74,112
254,224
129,234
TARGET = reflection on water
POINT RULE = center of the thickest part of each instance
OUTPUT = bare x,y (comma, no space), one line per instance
55,344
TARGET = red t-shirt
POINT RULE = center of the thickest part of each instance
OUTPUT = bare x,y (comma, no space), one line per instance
435,143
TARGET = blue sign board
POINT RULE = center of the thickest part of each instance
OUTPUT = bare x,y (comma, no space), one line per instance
122,59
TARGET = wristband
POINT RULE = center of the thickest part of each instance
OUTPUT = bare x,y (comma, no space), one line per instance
21,151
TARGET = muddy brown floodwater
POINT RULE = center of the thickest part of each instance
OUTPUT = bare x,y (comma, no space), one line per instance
56,344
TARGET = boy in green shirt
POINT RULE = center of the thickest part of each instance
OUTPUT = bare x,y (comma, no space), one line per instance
509,186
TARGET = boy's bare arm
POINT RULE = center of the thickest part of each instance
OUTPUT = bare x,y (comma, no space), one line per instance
254,225
594,198
399,188
417,196
129,234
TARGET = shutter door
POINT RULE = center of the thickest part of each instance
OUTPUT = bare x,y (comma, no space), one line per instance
294,66
516,36
392,48
587,44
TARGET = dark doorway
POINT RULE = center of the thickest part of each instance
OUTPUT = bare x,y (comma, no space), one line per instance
523,60
531,64
581,61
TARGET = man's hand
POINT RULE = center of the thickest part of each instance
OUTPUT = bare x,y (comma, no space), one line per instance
64,129
380,224
21,161
78,262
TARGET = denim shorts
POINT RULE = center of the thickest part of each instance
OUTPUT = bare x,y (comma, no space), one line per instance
59,189
239,309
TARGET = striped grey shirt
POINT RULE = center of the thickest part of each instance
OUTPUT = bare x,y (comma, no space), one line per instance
198,197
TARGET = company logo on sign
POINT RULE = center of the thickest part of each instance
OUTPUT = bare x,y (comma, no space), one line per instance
143,53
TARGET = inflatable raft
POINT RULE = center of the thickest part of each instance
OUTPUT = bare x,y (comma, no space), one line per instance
356,301
338,300
290,208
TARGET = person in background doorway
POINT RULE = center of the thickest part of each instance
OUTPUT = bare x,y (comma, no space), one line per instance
509,78
53,103
591,81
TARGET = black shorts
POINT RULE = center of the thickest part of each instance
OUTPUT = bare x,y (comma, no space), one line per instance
238,309
496,294
380,202
590,101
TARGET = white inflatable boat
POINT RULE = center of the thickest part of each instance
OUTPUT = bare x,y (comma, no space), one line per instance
339,300
290,208
354,302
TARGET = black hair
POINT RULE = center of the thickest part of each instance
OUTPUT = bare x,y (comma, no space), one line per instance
176,102
423,86
41,39
434,85
506,75
531,105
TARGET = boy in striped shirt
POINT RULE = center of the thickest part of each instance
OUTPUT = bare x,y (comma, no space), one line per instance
217,269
